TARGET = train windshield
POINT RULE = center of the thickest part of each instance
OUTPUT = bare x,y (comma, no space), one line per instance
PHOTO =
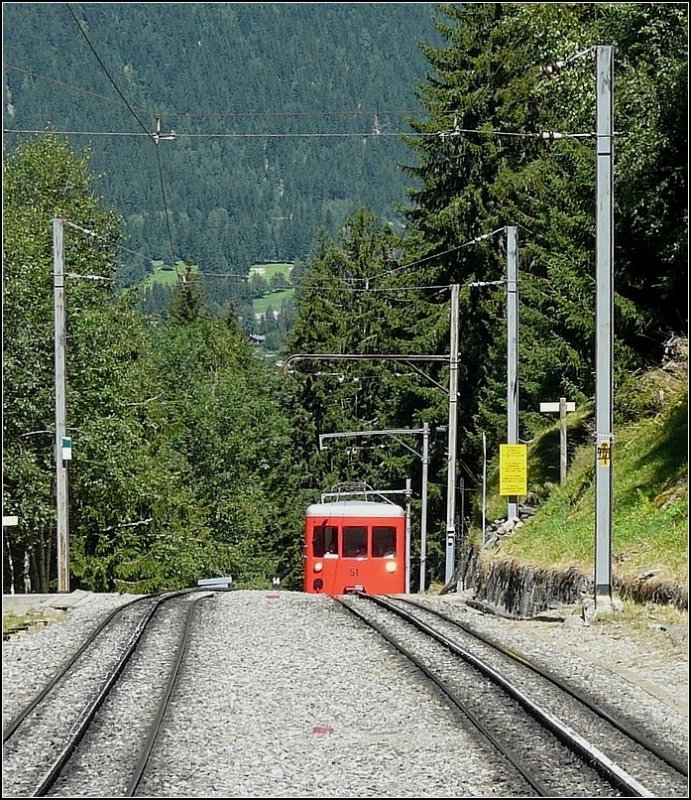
384,541
354,540
325,541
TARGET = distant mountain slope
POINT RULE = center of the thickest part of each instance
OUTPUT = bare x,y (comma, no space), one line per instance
329,82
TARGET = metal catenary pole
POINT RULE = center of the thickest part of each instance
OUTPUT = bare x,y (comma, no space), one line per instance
60,406
604,340
423,521
484,489
453,416
512,349
408,495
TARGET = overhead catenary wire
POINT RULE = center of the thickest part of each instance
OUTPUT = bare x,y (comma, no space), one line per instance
541,135
136,116
105,69
356,112
432,256
348,113
106,240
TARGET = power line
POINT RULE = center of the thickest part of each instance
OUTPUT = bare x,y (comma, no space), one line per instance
134,114
95,235
267,135
64,85
370,290
435,255
540,135
358,112
104,68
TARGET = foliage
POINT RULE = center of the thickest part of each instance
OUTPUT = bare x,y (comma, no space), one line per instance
180,453
482,166
42,182
649,501
243,183
475,181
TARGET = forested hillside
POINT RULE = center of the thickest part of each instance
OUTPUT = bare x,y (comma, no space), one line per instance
192,455
283,116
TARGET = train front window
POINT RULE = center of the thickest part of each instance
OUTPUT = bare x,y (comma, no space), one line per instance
354,541
384,541
324,541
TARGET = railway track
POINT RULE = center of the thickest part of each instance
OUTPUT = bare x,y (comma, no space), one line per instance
263,695
554,739
76,737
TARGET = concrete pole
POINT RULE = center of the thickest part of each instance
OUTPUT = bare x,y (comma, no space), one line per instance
408,494
423,521
484,489
562,439
512,350
604,333
60,406
453,416
460,583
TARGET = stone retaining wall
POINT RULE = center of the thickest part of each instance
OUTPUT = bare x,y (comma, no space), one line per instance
521,590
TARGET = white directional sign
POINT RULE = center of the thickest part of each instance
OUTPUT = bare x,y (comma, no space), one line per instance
554,407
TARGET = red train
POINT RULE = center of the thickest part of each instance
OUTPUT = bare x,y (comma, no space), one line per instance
353,545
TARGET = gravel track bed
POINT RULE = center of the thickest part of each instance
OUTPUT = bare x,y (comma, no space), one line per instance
103,762
532,745
285,695
661,779
299,700
646,683
28,755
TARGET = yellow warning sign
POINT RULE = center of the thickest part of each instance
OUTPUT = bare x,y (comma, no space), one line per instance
513,469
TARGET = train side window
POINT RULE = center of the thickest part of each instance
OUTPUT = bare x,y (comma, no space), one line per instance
324,540
354,540
384,541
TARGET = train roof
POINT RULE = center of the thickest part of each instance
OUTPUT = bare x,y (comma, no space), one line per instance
354,508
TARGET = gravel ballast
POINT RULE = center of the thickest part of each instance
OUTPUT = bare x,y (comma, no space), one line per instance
286,695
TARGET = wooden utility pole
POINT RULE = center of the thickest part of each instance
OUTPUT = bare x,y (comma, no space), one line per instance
562,407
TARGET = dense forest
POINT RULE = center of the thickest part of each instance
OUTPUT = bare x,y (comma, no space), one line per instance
195,457
284,115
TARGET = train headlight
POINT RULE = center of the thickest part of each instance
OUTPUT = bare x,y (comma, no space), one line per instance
318,566
391,566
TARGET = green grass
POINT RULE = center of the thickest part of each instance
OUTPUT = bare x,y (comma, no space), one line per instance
12,623
167,277
267,271
273,299
649,499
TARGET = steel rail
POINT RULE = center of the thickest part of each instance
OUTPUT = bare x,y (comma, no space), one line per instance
619,778
513,759
155,727
24,713
82,723
645,742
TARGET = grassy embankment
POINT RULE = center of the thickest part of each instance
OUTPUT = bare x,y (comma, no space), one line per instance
649,495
